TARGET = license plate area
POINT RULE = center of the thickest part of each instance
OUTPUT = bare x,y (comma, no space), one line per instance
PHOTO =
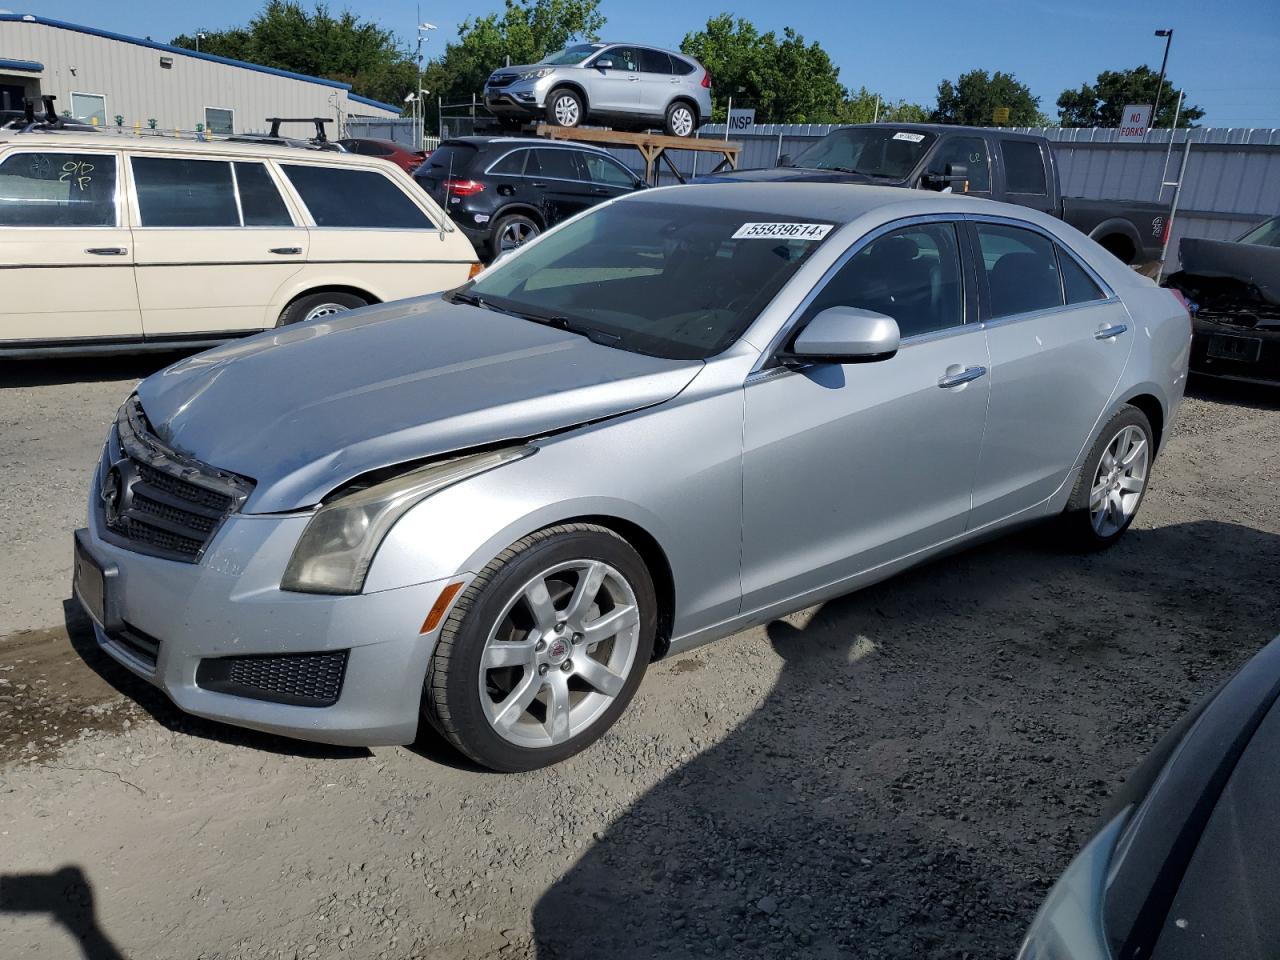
92,584
1245,349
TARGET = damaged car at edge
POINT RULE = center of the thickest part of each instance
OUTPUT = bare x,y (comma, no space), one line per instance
1232,290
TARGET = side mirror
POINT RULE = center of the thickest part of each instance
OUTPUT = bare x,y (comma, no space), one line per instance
604,63
847,335
953,175
784,160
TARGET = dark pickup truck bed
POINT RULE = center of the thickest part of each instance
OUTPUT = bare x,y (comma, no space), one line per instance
1011,167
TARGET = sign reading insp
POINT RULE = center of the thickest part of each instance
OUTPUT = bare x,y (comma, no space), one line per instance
1134,121
740,120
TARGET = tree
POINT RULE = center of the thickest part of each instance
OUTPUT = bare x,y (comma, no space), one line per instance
286,36
786,81
526,31
1101,103
974,97
864,106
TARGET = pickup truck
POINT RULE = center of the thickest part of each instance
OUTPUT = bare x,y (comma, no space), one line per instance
1012,167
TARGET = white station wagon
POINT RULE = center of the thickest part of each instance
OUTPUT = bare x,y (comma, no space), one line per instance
115,243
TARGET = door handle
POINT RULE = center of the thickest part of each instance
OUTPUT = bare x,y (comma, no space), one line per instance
287,251
540,186
107,251
964,376
1106,333
633,79
599,189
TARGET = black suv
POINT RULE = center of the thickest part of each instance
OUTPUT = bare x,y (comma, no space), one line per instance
504,191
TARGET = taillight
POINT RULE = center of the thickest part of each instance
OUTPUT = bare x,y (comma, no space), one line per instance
1187,305
463,188
706,79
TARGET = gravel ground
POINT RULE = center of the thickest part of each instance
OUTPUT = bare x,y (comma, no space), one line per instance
899,773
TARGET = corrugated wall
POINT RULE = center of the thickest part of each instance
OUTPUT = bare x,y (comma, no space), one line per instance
139,88
1232,176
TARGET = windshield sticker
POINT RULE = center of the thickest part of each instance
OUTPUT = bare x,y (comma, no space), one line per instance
782,231
909,137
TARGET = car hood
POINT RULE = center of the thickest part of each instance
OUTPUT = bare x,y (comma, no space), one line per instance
305,409
791,175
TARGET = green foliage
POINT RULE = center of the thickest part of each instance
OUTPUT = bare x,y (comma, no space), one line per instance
973,98
786,81
864,106
1100,104
526,31
286,36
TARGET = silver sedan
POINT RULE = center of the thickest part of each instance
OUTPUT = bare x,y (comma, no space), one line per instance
675,416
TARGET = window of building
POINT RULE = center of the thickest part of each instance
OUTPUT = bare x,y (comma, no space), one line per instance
220,121
89,107
58,190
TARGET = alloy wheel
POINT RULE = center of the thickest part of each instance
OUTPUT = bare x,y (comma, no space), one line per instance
682,121
324,310
560,653
516,233
566,110
1119,481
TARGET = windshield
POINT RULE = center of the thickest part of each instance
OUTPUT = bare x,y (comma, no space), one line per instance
871,151
1266,233
575,54
666,279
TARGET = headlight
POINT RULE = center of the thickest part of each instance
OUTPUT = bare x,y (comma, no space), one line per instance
537,74
335,551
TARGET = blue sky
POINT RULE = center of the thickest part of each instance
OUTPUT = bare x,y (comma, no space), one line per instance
1226,53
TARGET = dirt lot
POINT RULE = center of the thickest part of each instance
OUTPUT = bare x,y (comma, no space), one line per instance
900,773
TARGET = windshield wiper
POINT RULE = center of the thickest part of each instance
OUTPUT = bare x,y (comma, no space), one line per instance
567,325
471,300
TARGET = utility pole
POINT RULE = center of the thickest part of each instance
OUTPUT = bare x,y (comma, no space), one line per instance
1168,39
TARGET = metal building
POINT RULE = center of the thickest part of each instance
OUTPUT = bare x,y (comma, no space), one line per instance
136,83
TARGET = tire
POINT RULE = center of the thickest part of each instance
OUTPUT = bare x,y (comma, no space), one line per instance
504,716
511,232
1090,524
565,108
313,306
681,120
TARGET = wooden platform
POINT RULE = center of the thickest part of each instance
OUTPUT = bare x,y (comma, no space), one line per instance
652,146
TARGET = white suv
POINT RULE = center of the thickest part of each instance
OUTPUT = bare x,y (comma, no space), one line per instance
121,243
622,84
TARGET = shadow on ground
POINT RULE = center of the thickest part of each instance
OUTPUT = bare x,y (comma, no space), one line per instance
932,755
1259,396
45,371
66,898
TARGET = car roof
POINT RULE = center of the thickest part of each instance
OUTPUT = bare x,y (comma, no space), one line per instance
107,140
829,202
481,142
945,128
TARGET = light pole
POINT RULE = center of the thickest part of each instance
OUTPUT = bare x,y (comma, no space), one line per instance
424,29
1168,39
199,37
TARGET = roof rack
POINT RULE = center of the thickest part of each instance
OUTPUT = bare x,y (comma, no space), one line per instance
319,142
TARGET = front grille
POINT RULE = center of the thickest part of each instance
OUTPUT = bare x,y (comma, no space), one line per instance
300,679
499,80
155,500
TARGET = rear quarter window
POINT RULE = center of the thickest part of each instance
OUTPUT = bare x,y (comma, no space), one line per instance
1023,167
338,197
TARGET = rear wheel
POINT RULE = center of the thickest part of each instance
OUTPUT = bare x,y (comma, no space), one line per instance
544,650
681,120
565,108
512,231
314,306
1112,482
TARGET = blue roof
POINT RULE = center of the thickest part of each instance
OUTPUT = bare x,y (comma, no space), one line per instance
356,98
183,51
32,66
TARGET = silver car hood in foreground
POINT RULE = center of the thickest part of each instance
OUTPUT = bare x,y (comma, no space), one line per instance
305,409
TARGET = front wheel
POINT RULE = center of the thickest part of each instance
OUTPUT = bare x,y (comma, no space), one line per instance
544,650
1112,482
565,108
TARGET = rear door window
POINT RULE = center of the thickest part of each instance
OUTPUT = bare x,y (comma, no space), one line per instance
911,274
654,61
1078,286
185,192
1021,270
260,202
558,164
58,190
1023,167
339,197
